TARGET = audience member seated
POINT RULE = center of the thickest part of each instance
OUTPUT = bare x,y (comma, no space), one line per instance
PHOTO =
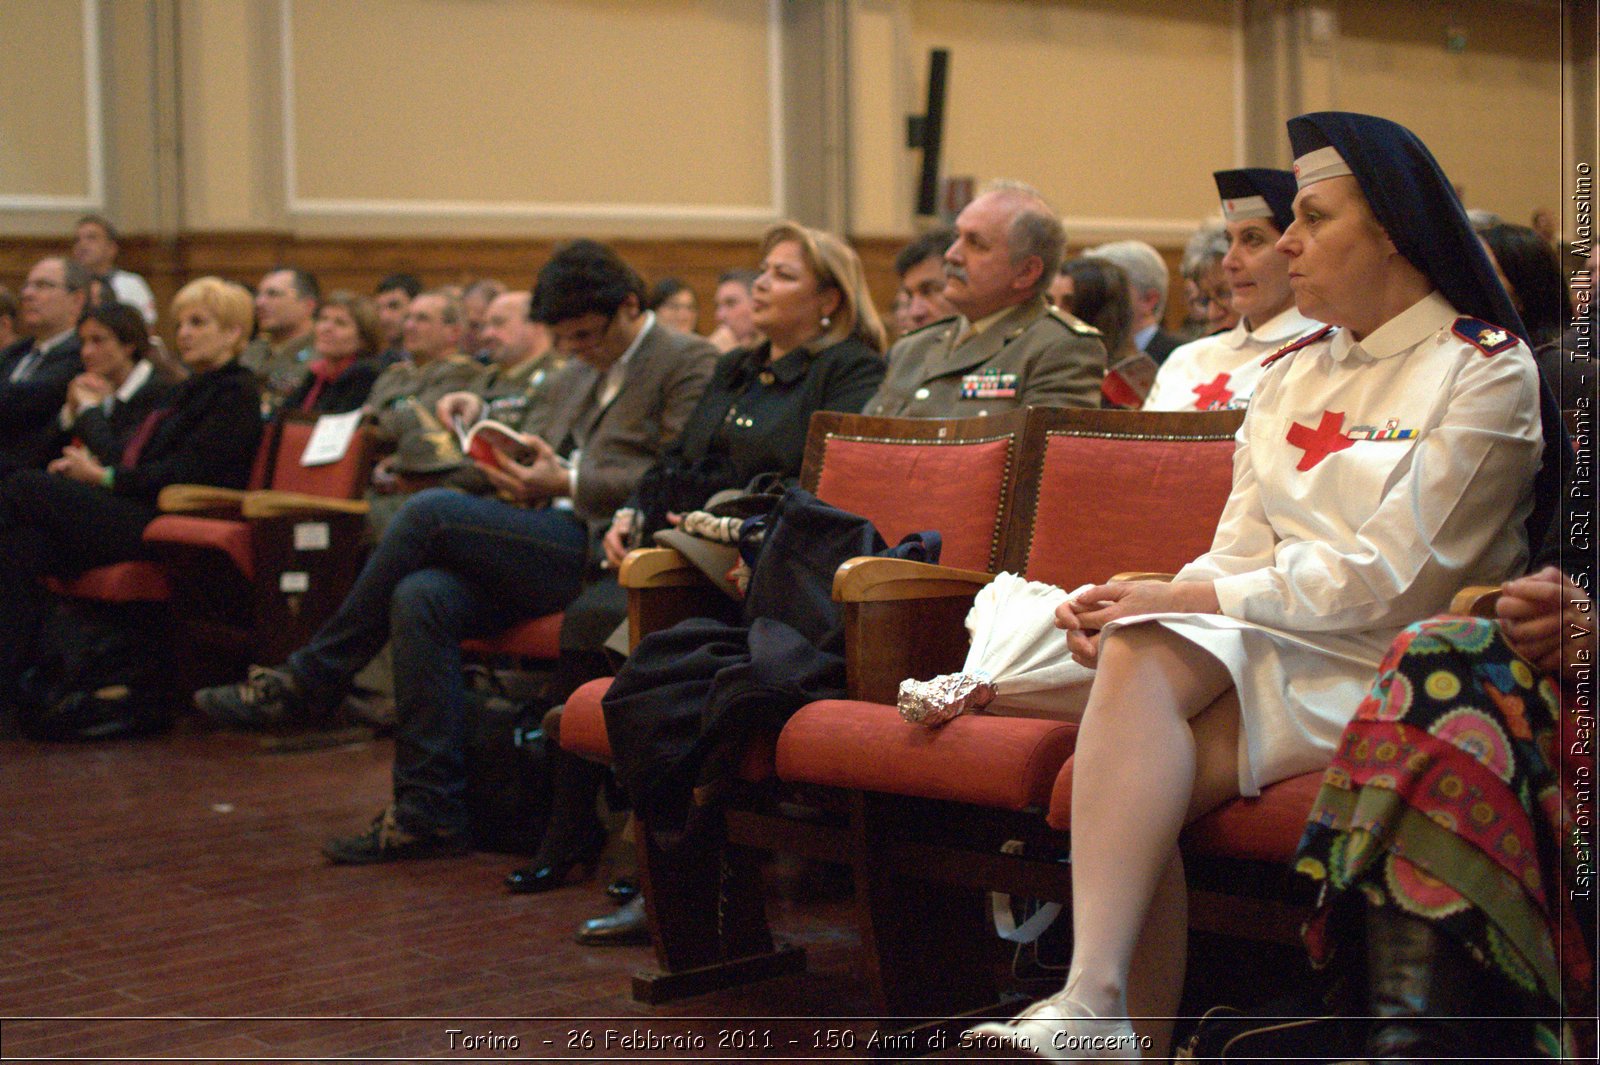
1384,462
1095,291
8,318
920,267
84,512
35,371
1205,288
279,356
824,351
95,248
675,305
523,364
344,343
118,388
1219,372
1007,348
1531,272
475,300
453,565
393,298
732,307
1444,837
1147,291
406,393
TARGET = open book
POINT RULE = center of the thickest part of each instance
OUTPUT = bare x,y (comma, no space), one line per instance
479,443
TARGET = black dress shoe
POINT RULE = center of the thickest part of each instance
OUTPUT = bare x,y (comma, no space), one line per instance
627,927
622,889
540,877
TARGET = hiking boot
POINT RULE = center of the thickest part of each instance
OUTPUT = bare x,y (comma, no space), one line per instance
264,699
386,841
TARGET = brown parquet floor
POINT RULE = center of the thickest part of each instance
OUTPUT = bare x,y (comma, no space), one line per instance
164,899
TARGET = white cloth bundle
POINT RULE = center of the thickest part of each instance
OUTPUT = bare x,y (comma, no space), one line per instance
1018,660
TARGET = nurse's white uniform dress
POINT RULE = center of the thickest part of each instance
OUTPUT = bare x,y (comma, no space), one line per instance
1372,480
1220,372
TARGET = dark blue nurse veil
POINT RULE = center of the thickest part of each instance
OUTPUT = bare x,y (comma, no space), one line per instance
1418,208
1277,187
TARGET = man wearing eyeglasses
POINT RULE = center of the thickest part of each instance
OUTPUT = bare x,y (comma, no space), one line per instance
35,371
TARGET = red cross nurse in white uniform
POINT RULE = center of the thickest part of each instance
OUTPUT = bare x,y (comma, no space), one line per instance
1384,462
1219,372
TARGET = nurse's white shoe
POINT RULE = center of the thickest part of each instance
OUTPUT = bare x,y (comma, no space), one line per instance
1059,1029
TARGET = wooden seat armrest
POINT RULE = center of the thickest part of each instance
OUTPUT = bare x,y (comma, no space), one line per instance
273,504
658,567
1476,600
192,498
1139,575
869,579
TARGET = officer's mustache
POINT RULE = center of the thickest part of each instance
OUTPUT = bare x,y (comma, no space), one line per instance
955,272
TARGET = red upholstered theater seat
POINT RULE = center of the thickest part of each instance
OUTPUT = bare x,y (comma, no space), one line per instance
583,725
535,638
1265,829
1007,763
960,491
1120,491
121,582
1172,475
232,538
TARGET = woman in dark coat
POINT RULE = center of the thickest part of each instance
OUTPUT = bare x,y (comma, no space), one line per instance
86,512
823,351
118,387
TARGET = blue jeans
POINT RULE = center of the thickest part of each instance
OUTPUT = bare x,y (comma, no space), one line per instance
450,566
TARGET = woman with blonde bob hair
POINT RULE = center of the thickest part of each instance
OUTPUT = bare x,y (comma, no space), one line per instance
823,351
82,513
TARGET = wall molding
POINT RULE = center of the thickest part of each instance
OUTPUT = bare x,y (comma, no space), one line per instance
301,206
93,128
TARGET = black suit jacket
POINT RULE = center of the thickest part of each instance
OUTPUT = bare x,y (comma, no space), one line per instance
28,408
1162,344
208,436
107,434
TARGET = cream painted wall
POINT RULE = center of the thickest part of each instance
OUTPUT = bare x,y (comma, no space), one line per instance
47,124
619,106
1491,114
652,118
1115,109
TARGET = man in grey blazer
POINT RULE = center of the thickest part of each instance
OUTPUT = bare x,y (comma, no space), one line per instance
1007,347
453,565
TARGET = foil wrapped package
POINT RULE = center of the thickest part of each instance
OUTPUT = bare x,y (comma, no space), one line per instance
933,702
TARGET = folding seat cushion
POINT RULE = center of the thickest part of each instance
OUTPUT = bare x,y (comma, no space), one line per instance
231,538
120,582
536,638
1007,763
1266,828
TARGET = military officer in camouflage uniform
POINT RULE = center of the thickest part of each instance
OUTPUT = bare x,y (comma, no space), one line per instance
1007,347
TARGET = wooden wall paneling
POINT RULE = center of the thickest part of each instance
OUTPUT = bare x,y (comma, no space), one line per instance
359,263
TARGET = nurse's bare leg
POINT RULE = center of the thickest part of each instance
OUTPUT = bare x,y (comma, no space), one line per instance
1138,762
1155,980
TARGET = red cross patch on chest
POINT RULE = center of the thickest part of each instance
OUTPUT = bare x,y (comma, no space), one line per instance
1214,394
1320,442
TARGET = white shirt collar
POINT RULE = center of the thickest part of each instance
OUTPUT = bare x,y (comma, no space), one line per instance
644,330
1401,333
134,381
1281,327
